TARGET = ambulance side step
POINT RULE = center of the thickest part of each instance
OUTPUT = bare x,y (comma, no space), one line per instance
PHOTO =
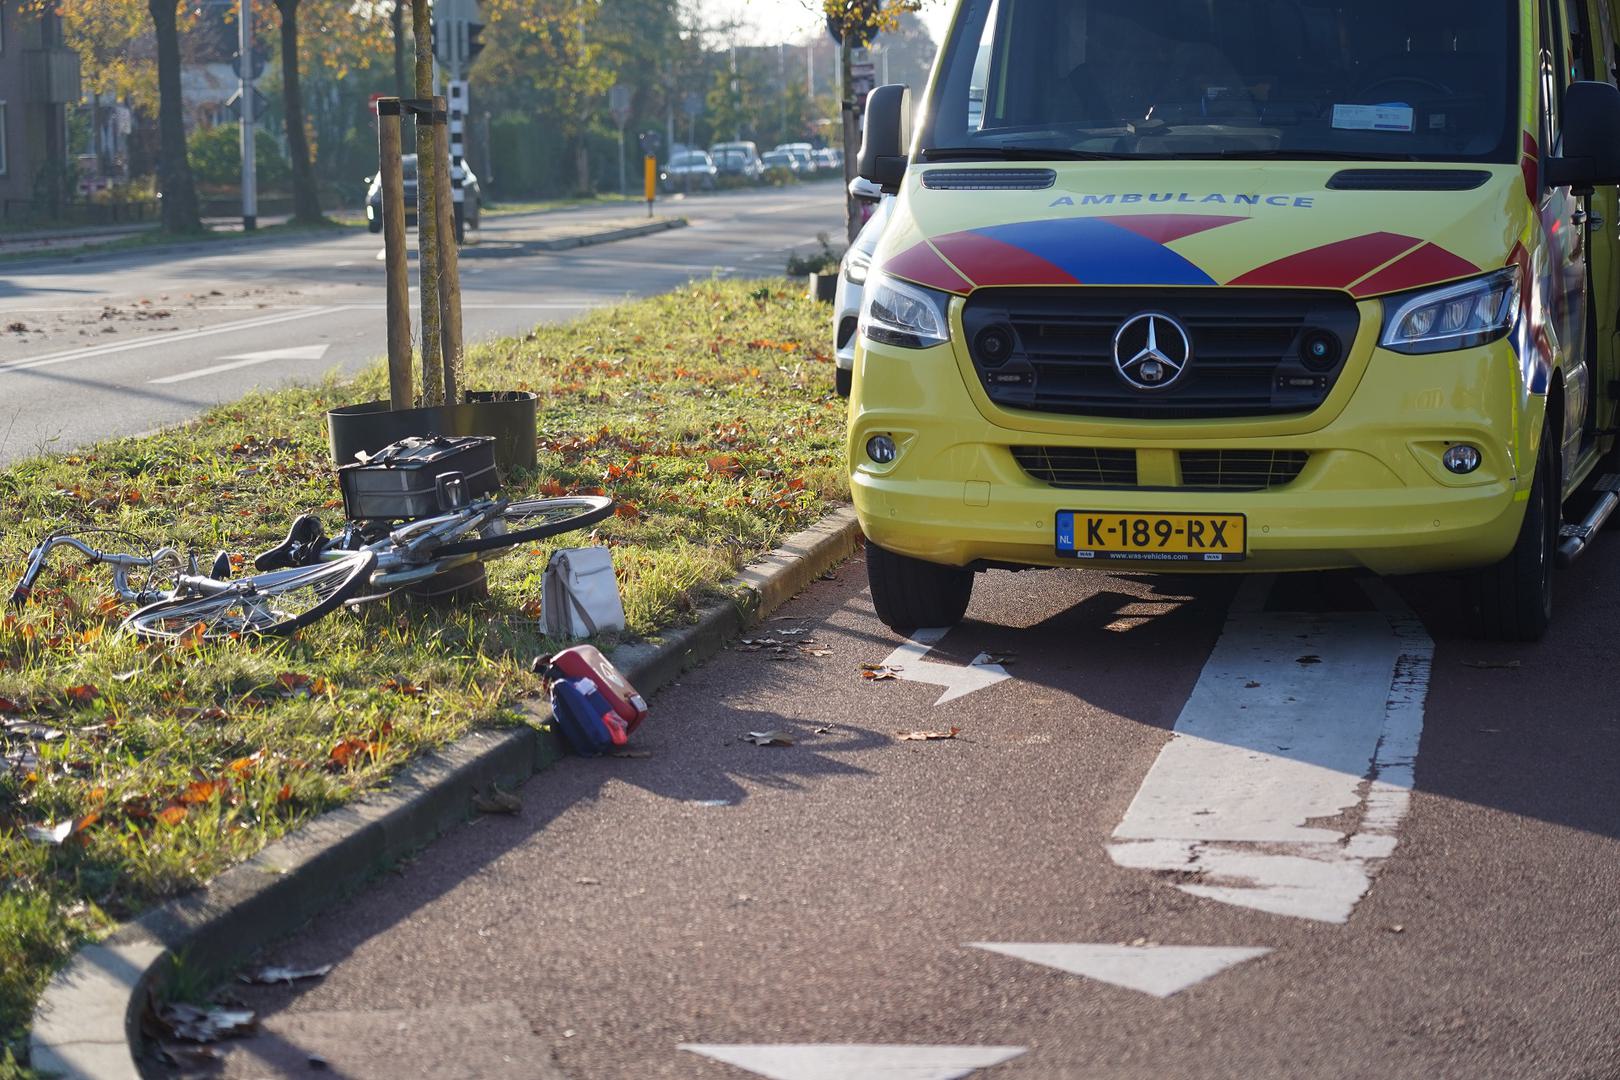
1574,538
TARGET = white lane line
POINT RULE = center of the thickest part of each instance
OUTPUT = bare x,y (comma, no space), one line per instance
1290,768
168,339
1160,970
242,360
849,1061
907,663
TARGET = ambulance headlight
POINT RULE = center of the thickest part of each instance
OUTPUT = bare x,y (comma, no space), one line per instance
1453,317
895,312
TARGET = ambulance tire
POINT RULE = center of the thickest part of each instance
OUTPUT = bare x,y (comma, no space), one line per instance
910,594
843,381
1513,599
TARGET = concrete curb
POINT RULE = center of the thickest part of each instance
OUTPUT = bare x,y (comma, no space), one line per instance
88,1021
566,243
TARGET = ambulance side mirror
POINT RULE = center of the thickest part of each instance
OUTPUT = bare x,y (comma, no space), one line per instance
882,159
1591,143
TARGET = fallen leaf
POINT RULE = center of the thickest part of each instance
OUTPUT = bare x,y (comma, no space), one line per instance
9,706
244,765
769,738
196,1025
284,794
345,753
587,881
496,802
879,673
201,791
1309,660
926,736
83,694
272,975
817,652
403,686
172,814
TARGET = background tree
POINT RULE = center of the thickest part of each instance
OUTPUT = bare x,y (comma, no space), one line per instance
306,197
174,171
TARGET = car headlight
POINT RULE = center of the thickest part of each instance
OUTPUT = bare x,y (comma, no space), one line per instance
899,313
1459,316
857,266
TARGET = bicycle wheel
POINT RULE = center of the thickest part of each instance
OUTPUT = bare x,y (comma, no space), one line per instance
533,519
274,603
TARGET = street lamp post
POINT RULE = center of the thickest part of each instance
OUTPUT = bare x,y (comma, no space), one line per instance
246,61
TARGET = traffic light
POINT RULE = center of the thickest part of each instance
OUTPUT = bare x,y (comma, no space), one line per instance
474,46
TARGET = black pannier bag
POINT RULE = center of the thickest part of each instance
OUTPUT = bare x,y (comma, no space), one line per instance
419,477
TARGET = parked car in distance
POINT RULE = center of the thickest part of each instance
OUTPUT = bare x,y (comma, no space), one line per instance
829,160
689,170
781,162
738,164
852,280
803,153
739,159
472,197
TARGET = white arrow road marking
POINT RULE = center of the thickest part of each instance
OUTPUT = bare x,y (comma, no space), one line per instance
907,663
1160,970
851,1061
242,360
1297,720
169,338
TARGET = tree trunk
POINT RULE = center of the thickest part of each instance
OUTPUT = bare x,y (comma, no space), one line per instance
174,171
306,200
396,21
582,168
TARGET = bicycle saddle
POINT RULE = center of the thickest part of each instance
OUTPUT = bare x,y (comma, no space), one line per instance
303,546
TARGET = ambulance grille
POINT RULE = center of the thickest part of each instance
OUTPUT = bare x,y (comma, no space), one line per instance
1051,350
1078,466
1241,470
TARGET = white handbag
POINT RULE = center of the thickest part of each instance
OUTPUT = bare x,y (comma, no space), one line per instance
580,596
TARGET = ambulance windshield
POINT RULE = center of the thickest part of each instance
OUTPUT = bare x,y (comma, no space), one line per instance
1388,80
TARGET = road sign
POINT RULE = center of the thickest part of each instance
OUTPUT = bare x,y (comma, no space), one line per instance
258,61
619,104
234,104
692,105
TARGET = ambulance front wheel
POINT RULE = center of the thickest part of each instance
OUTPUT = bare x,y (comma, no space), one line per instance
910,594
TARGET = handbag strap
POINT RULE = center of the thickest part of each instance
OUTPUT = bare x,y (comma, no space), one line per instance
590,623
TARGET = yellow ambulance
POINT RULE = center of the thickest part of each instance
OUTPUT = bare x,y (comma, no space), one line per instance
1244,285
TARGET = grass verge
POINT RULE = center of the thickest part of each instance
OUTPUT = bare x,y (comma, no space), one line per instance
707,413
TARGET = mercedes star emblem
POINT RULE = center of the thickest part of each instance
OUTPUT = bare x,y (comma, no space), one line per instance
1151,351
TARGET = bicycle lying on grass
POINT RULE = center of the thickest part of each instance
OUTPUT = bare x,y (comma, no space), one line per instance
308,574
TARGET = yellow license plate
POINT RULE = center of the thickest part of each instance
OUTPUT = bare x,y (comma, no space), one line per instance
1088,534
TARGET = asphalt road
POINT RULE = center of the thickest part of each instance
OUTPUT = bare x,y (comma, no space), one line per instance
120,344
1188,828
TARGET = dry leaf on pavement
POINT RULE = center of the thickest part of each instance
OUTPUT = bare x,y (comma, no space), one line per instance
497,802
879,672
769,738
272,975
924,736
196,1025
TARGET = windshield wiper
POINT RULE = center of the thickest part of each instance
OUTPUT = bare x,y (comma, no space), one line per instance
1017,153
1297,155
